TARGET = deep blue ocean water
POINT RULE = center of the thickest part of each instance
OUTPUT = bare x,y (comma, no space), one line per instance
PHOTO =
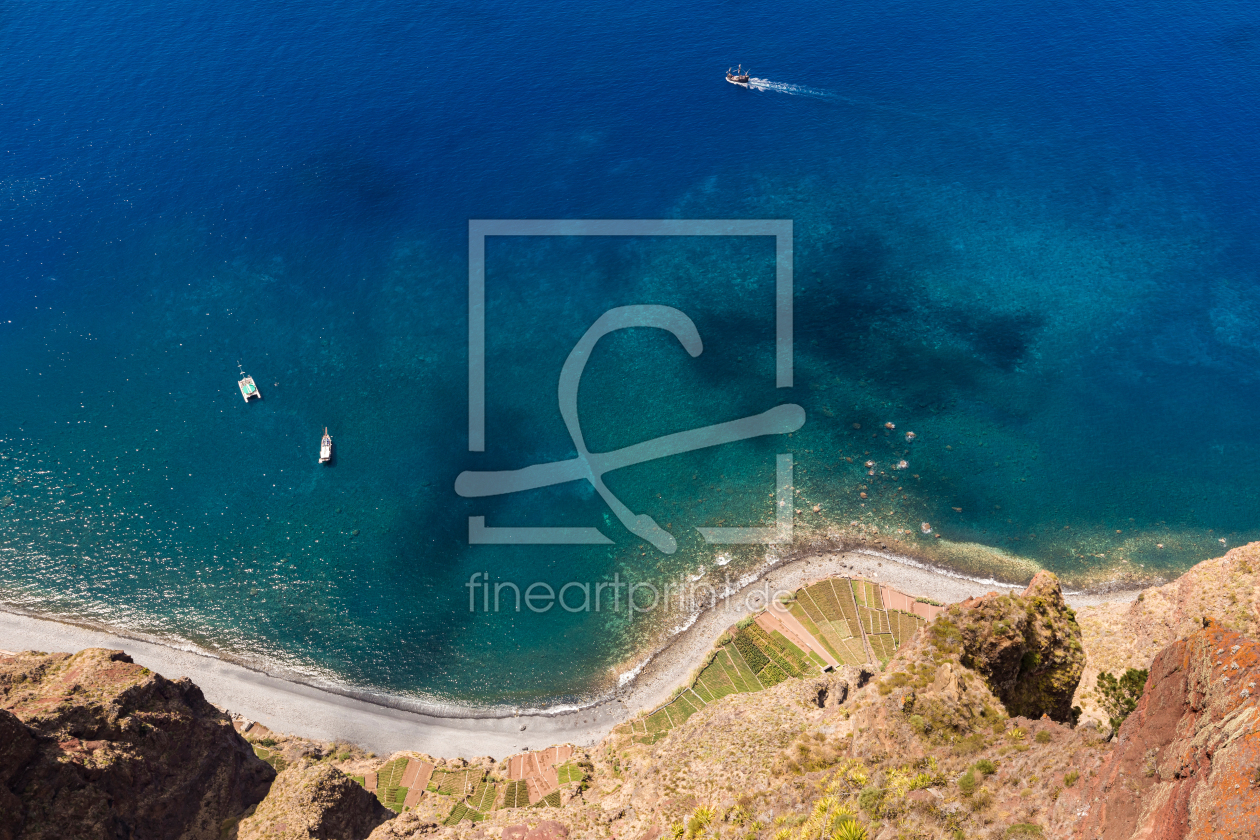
1027,233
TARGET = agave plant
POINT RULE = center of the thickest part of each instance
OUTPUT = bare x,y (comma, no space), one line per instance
701,819
850,830
839,819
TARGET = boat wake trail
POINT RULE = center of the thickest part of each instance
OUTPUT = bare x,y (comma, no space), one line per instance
792,90
831,96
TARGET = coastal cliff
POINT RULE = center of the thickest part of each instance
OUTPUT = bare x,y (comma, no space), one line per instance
1122,635
93,745
965,730
1187,760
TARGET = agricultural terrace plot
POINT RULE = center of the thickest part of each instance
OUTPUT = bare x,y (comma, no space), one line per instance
394,798
463,812
824,630
752,659
883,645
535,775
389,789
853,653
744,675
551,800
713,680
459,783
569,772
904,625
516,795
415,779
841,616
867,594
844,597
482,799
777,649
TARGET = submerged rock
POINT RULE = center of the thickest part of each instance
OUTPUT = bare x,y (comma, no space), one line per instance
93,745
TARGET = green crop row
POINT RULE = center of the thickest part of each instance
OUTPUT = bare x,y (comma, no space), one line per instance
570,772
483,797
551,800
463,812
392,797
516,795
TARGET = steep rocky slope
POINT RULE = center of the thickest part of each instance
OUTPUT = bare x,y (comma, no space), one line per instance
311,800
1118,636
1187,763
95,746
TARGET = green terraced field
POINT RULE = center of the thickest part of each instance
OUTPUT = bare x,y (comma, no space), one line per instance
771,675
551,800
883,645
658,721
392,797
482,799
683,705
854,652
778,650
744,673
463,812
701,690
388,778
842,629
843,615
825,598
570,772
904,625
844,597
798,612
455,782
755,659
515,795
790,651
826,633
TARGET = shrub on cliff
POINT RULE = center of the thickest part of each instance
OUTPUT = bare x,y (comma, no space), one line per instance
1120,696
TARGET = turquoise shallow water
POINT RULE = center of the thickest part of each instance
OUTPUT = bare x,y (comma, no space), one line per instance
1027,237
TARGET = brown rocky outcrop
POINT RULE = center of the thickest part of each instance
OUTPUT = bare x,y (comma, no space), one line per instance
405,826
1027,647
108,749
309,801
1187,761
1128,634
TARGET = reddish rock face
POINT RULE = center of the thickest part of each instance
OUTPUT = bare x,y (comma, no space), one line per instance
1187,762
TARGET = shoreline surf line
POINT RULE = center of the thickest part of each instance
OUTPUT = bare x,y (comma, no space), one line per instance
385,724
